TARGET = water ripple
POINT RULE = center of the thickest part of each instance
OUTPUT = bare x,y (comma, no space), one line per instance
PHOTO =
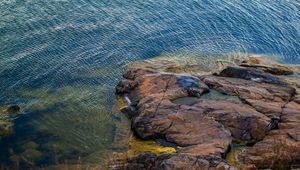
48,47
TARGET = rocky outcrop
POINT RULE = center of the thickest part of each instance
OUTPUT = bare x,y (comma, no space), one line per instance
203,129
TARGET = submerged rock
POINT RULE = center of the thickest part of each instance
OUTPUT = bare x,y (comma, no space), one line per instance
9,109
13,109
184,110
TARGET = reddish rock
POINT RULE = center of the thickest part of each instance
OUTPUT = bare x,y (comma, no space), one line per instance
270,109
166,162
244,122
281,148
265,98
276,151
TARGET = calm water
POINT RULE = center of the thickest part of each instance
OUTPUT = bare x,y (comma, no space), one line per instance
60,60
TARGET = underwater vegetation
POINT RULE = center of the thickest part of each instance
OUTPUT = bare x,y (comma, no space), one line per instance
68,124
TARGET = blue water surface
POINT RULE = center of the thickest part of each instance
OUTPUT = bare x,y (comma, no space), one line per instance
60,59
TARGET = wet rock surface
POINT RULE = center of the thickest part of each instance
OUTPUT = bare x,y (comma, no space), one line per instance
202,129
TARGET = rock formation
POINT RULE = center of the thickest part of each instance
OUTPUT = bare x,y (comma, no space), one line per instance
267,120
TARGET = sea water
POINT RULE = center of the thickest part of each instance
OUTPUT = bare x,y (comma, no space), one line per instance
60,61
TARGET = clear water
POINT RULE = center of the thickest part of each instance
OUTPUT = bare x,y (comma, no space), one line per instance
60,61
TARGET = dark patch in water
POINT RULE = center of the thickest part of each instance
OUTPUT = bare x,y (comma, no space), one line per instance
186,100
211,95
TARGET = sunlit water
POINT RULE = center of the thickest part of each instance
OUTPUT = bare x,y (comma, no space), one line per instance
60,61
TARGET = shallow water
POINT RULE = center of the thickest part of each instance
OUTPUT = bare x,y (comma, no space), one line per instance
60,60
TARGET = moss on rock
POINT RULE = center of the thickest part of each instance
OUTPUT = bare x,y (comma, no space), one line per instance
137,146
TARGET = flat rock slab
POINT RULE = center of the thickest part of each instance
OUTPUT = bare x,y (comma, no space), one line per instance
265,98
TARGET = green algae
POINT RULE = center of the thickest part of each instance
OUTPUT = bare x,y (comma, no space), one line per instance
80,118
31,154
5,127
30,145
137,146
232,157
120,101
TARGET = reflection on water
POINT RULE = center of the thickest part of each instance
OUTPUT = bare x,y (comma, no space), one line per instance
60,61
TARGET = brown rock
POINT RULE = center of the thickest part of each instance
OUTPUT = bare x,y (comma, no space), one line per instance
166,162
281,148
274,69
291,112
125,86
276,151
270,109
244,122
179,124
252,74
265,98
